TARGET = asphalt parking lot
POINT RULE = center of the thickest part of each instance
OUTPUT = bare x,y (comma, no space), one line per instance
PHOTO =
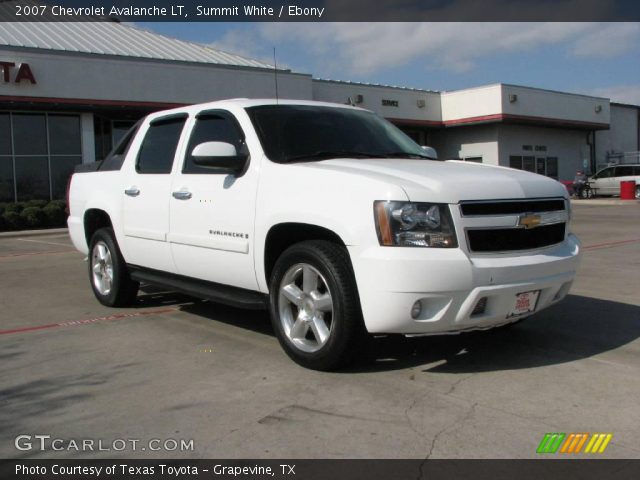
178,368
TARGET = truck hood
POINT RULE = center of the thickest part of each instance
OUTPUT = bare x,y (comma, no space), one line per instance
447,181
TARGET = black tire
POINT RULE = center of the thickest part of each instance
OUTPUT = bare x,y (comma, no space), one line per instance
123,289
638,193
346,331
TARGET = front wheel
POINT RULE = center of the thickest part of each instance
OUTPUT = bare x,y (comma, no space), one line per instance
315,310
110,280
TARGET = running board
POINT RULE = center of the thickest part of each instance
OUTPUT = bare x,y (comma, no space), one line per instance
233,296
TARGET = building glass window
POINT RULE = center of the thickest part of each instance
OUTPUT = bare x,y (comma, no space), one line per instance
38,153
5,134
529,164
32,178
473,159
7,192
552,167
542,165
119,128
515,161
64,135
29,134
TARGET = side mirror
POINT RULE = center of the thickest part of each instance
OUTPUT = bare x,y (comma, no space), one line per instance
221,155
430,152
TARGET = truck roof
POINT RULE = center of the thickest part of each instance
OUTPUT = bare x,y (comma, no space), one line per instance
245,103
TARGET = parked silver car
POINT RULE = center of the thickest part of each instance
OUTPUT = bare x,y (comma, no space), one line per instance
607,181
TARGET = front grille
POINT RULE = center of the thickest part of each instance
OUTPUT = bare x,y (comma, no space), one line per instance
511,207
506,239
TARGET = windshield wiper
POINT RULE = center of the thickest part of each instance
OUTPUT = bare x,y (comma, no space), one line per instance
323,155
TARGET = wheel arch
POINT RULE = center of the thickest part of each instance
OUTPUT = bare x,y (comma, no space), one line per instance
93,220
282,235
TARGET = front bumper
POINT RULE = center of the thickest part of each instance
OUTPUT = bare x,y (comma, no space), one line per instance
449,283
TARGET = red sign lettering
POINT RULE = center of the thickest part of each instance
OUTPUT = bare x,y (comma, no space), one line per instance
24,72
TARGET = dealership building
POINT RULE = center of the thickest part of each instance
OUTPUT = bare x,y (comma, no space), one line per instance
69,91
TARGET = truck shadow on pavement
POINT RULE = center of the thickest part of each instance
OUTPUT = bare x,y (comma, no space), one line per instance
578,327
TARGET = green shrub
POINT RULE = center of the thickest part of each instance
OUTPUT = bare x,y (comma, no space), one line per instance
33,217
36,203
14,207
55,215
3,223
3,207
61,203
13,221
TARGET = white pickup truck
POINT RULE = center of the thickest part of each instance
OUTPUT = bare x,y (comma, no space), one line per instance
326,214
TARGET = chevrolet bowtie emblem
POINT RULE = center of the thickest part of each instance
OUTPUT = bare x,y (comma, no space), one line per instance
529,220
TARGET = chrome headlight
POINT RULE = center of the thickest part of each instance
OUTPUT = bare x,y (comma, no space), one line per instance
412,224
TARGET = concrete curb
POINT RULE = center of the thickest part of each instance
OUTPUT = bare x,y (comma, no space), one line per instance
33,233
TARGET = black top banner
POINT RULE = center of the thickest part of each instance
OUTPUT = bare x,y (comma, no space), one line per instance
321,10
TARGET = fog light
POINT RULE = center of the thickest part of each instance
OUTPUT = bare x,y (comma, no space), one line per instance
480,307
416,309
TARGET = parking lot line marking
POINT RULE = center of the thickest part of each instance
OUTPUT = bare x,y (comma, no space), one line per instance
30,254
87,321
42,241
611,244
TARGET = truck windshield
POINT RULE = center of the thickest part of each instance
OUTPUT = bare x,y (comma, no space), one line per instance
303,133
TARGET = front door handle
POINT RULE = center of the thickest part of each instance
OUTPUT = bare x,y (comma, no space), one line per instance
182,195
132,191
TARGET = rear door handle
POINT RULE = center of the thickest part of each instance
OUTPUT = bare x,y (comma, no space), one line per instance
182,195
132,191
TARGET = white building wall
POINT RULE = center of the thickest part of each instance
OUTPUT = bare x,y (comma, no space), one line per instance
535,102
139,80
407,109
471,141
623,135
569,146
471,103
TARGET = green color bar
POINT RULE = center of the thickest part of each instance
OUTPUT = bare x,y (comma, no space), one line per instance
558,442
550,442
542,448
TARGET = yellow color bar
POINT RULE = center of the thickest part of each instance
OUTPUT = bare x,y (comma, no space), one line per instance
598,442
581,443
607,439
591,442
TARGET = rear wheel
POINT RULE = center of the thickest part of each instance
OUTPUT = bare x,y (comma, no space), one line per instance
110,280
315,310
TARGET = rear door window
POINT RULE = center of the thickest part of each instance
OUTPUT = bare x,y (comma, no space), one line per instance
158,148
624,171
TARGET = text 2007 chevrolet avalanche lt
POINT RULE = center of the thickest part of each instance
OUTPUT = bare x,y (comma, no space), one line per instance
327,215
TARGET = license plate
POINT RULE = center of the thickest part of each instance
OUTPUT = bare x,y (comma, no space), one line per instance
525,303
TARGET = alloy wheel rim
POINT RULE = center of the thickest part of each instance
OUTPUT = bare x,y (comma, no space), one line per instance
102,268
305,307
